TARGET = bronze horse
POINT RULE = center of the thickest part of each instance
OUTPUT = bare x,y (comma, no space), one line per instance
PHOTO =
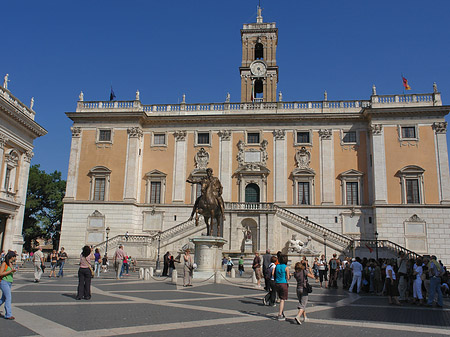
209,207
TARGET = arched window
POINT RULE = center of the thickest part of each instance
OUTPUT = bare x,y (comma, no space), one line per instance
252,193
259,51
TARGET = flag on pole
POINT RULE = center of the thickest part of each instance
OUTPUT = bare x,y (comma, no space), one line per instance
405,84
368,247
112,96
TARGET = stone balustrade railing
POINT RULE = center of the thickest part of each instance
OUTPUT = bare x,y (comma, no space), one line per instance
11,99
246,206
394,247
314,228
171,232
272,107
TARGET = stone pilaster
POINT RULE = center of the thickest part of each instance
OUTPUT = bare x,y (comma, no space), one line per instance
280,170
3,141
440,130
327,174
179,170
74,161
132,164
226,159
378,164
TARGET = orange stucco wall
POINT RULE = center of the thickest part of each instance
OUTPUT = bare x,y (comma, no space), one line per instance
349,158
112,156
422,155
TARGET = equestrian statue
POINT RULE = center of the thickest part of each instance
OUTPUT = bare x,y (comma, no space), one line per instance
210,202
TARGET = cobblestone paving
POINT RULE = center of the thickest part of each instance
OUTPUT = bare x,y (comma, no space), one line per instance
131,307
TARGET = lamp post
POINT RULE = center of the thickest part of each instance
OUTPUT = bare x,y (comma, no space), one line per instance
325,245
376,244
159,248
107,237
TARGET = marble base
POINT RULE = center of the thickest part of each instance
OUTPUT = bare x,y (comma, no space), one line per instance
207,255
248,247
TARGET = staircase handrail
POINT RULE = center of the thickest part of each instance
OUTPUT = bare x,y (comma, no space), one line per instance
164,235
126,238
331,235
382,243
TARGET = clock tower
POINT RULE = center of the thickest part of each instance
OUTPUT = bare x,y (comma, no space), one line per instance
259,70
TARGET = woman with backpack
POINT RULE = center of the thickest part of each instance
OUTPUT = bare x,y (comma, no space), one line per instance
271,296
302,272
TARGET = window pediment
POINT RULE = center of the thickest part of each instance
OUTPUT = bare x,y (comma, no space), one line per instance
351,174
410,170
155,174
99,170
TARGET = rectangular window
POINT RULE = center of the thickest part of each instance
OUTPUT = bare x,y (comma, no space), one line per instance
104,136
159,139
349,137
303,193
253,138
303,137
352,193
7,178
203,138
155,192
408,132
99,189
412,191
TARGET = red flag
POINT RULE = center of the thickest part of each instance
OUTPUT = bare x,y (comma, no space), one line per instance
405,84
368,247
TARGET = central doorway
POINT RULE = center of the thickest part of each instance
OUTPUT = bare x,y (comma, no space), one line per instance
252,193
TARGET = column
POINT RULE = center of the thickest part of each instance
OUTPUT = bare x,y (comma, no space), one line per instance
21,198
8,234
440,130
378,164
3,141
279,166
327,174
179,169
132,165
74,162
225,158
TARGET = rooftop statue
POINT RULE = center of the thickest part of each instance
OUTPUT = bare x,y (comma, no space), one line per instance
210,202
5,81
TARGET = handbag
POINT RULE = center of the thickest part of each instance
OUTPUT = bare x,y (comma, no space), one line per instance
90,268
43,267
308,288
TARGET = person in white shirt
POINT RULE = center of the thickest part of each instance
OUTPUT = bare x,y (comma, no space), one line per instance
357,268
417,284
391,283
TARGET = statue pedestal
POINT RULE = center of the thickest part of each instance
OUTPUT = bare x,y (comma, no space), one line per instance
208,255
248,246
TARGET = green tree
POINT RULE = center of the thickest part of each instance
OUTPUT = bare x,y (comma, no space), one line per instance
44,206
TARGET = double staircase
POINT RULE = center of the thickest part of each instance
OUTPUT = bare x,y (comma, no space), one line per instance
346,245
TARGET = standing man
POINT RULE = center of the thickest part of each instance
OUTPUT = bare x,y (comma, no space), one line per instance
357,268
119,256
334,264
435,271
126,235
62,257
266,263
166,264
38,261
257,268
402,272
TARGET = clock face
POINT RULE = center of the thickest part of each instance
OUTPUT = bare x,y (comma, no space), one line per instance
258,68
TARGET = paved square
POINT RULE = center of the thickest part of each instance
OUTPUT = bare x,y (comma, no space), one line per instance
131,307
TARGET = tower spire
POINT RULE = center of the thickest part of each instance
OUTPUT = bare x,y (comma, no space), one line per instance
259,18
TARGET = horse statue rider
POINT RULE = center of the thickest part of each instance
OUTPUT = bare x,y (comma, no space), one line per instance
209,203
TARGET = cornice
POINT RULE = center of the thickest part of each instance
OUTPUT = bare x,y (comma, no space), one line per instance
441,110
24,121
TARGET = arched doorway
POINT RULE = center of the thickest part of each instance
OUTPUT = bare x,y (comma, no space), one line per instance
252,193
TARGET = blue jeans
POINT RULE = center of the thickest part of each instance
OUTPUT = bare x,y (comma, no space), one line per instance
98,267
61,269
435,286
6,297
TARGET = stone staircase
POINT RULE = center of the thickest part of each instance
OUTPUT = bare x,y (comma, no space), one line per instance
149,243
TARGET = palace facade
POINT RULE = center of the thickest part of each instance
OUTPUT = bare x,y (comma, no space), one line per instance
17,133
337,172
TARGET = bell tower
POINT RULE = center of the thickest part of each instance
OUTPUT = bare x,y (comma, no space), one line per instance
259,70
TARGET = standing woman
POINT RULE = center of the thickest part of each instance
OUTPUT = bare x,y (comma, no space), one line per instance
97,262
302,272
417,285
188,268
6,274
322,266
281,273
53,263
391,283
85,274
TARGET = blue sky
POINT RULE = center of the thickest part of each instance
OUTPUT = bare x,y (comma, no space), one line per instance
54,49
